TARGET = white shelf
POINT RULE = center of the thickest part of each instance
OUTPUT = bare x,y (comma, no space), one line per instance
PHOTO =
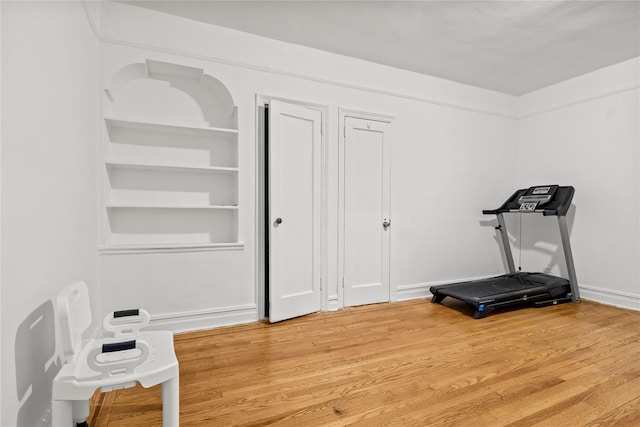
169,168
145,206
177,129
169,186
160,248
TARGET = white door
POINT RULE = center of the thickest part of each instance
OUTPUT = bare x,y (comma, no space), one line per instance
294,210
366,211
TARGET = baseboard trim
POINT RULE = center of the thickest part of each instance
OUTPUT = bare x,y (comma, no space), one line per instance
333,303
421,290
409,292
189,321
609,297
206,319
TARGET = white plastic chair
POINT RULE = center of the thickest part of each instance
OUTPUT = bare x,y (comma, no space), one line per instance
115,362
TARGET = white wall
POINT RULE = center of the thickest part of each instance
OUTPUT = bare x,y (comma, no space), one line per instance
585,132
449,139
49,185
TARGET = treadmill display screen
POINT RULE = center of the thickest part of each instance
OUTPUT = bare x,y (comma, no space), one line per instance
541,190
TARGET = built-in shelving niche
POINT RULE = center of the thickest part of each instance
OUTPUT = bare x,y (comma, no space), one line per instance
170,161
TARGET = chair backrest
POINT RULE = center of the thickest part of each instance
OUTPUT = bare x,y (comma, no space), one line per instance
126,322
74,317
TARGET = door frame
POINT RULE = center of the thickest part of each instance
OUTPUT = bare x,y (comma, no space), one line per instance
261,192
377,117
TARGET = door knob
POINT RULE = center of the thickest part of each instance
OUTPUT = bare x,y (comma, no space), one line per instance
278,220
386,223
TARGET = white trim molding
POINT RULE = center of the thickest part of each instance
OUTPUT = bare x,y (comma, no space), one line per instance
609,297
613,80
151,249
417,291
188,321
333,304
578,102
94,13
421,290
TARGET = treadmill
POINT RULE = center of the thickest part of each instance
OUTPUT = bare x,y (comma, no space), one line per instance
519,288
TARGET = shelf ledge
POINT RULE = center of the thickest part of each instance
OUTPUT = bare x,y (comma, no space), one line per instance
175,207
164,248
170,168
167,127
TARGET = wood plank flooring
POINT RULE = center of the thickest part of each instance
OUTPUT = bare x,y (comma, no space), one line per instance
404,364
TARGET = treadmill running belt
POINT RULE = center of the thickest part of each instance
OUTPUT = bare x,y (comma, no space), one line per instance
501,287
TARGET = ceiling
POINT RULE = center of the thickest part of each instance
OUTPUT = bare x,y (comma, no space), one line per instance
513,47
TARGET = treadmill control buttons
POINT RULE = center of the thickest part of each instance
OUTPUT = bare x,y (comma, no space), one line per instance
528,207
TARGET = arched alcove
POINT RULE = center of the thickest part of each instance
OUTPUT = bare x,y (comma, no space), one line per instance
171,160
164,92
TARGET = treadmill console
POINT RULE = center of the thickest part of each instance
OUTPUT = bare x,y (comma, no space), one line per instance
536,196
545,199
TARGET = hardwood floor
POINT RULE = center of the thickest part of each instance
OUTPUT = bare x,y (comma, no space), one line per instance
411,364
